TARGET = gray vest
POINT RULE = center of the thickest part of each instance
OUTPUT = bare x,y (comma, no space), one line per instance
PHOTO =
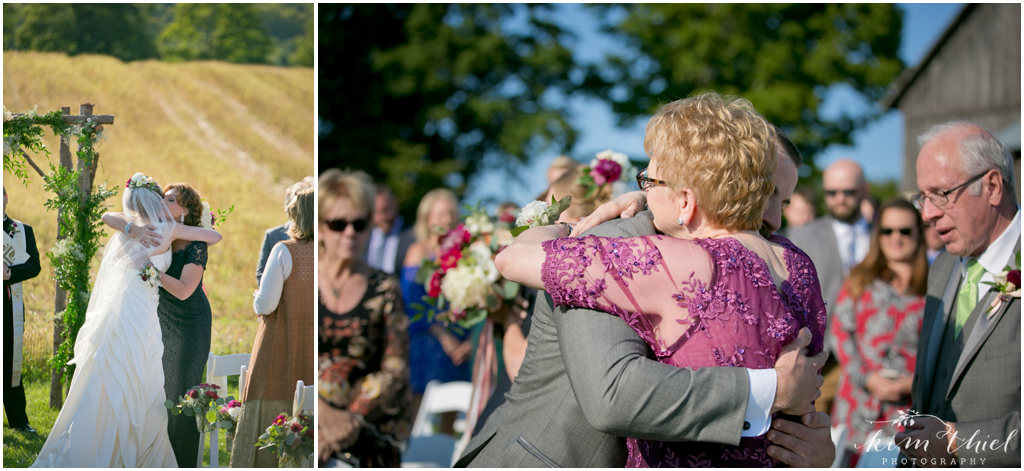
945,365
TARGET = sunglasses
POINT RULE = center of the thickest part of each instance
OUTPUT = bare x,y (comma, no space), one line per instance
907,231
846,193
339,225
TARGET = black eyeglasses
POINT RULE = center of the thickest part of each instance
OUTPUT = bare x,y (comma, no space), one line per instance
941,198
645,183
846,193
339,225
903,230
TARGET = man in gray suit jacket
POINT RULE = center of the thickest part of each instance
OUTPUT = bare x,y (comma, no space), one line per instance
587,381
967,377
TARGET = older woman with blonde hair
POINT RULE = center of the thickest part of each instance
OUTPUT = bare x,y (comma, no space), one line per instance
363,379
282,353
437,353
708,290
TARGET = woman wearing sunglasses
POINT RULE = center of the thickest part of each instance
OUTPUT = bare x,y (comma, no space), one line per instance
282,353
363,373
876,325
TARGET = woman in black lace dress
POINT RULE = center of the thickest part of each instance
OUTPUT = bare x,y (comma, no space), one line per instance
185,320
184,312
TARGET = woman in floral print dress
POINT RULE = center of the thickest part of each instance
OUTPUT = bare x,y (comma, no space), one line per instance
877,323
363,376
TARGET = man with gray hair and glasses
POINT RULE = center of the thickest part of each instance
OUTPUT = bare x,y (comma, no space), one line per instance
966,389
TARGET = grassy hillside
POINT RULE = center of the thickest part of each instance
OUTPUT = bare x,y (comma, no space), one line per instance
240,134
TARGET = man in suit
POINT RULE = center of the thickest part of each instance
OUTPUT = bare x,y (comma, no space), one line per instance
390,238
279,233
14,319
967,377
588,380
836,243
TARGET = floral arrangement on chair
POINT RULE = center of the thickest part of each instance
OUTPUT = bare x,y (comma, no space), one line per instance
201,402
608,167
463,284
291,438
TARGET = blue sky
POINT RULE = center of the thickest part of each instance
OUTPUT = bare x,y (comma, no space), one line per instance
878,147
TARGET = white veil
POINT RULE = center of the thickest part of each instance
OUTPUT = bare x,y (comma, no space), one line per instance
123,259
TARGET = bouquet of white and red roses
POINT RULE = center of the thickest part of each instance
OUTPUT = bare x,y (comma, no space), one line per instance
463,284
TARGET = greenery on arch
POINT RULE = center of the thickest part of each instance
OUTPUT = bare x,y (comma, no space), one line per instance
81,209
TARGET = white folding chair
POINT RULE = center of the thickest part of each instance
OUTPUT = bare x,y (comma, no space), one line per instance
305,396
218,368
880,455
438,398
425,449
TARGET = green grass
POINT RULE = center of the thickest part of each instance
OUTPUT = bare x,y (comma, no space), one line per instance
20,449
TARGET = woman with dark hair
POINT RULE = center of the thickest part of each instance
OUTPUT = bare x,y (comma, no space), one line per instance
186,320
876,325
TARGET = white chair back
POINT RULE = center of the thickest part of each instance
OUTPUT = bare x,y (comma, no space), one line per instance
305,396
439,398
218,368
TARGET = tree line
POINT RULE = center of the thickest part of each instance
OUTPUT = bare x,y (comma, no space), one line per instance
264,33
425,95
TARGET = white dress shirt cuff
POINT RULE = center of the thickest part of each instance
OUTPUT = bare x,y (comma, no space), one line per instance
759,402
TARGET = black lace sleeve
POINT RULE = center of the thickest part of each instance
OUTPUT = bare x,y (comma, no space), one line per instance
196,253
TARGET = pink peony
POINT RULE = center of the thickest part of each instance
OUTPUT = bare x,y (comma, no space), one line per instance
605,171
455,238
450,258
234,403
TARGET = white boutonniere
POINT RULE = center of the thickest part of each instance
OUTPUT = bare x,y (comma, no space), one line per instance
1007,284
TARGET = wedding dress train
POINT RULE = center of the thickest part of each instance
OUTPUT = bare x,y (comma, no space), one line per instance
114,414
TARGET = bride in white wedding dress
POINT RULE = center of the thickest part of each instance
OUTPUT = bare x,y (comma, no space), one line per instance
114,414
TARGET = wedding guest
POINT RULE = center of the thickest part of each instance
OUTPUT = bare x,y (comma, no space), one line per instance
365,411
876,326
390,237
437,353
279,233
802,207
836,243
933,242
967,377
559,166
282,353
14,318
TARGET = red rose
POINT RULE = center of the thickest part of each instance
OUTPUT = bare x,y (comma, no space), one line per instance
296,427
211,394
434,285
1014,277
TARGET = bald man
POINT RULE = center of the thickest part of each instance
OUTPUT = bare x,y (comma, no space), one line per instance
836,243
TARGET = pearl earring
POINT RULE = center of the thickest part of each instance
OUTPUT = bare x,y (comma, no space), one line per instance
679,221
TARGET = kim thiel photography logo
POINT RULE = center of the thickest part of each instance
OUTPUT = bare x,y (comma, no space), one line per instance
949,436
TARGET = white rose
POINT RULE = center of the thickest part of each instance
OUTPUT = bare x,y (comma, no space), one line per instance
234,411
533,214
483,256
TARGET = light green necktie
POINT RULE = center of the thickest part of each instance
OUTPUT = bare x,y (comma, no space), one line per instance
967,298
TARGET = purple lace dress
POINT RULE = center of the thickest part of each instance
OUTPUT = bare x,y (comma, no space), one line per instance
706,302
